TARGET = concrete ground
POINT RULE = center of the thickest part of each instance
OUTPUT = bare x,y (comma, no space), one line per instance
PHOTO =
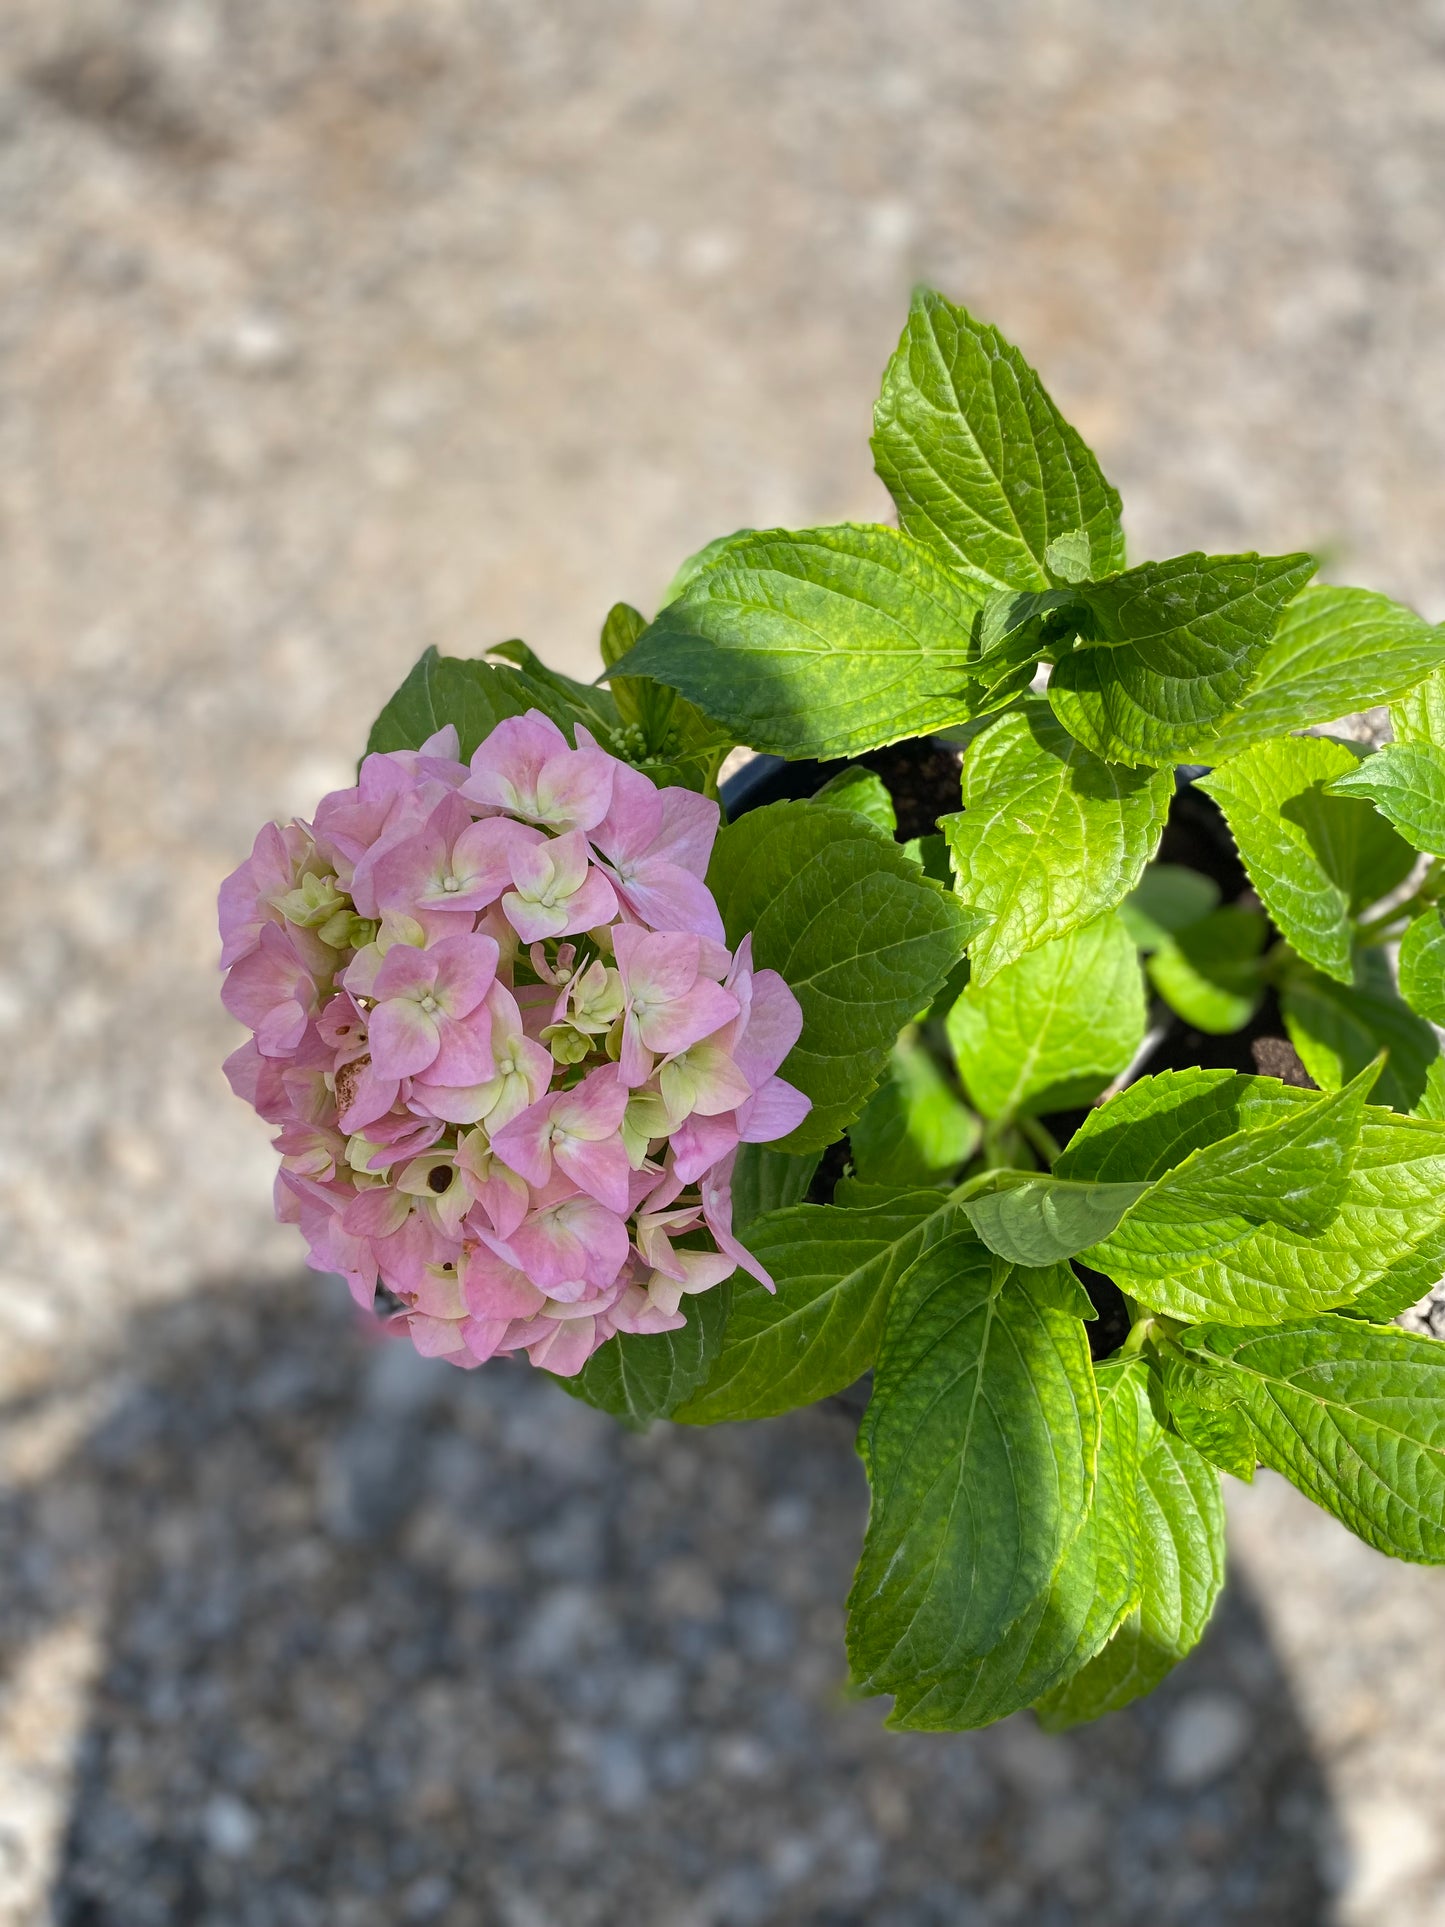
328,331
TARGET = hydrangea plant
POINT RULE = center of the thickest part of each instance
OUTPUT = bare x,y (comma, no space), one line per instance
715,1119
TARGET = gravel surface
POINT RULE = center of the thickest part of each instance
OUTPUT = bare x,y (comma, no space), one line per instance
329,331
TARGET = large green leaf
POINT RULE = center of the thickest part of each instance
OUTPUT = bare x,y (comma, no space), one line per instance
768,1180
1292,1172
1212,973
819,642
1038,1219
1353,1414
1049,836
1170,649
980,462
1098,1582
1386,1237
915,1127
1422,965
1336,651
1052,1029
980,1443
1181,1569
1314,858
861,936
1406,783
1339,1028
834,1268
475,696
638,1378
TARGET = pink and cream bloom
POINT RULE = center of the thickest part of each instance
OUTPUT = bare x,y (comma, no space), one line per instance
668,1004
655,845
507,1053
430,1013
527,768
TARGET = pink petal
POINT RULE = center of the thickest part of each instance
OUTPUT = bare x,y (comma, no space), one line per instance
496,1290
570,858
656,965
376,1213
701,1143
594,904
464,1053
686,1020
436,1337
689,829
481,858
404,1038
507,764
372,1096
775,1110
668,897
594,1108
634,817
566,1347
466,968
575,789
775,1022
525,1144
717,1206
405,971
599,1167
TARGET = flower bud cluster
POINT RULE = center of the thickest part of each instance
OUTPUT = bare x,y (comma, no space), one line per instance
507,1049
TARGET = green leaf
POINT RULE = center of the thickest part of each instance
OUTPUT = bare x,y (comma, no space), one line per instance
820,642
860,790
915,1127
1422,965
768,1180
1049,836
1039,1219
1167,899
1066,1623
1292,1173
1051,1030
1387,1235
1353,1414
563,698
1313,858
640,1378
1339,1028
1211,974
699,560
1335,651
980,462
1419,716
678,744
860,935
1406,783
980,1443
475,696
834,1268
1181,642
1181,1569
1209,1417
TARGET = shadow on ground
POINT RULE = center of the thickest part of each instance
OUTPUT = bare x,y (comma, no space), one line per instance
384,1644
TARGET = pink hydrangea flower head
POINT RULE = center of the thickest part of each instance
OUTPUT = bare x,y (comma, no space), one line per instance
507,1052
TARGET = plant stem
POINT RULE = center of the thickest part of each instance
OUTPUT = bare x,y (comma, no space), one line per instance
1041,1138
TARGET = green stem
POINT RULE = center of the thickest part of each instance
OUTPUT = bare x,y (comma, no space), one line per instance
1042,1139
1380,929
